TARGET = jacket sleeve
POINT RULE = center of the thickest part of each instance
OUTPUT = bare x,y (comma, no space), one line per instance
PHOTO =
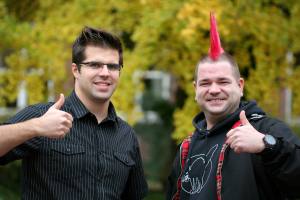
283,163
173,177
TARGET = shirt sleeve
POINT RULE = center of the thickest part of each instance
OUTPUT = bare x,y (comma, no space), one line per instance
136,187
27,147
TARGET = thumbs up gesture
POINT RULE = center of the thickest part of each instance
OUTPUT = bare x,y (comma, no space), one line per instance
59,103
55,123
245,138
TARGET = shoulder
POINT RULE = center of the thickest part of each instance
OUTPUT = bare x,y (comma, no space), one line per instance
125,128
42,107
277,128
30,112
123,124
267,123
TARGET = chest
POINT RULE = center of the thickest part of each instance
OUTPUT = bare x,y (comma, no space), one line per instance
90,151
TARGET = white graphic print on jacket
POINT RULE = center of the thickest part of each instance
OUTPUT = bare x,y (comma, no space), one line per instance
193,185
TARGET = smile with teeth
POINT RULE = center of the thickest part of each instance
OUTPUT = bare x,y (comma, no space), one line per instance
102,83
215,100
102,86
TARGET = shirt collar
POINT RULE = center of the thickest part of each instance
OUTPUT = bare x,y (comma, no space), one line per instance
79,110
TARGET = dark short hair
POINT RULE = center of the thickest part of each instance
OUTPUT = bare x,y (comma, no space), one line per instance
223,57
98,38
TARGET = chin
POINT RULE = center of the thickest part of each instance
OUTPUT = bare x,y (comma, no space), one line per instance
101,98
216,108
216,111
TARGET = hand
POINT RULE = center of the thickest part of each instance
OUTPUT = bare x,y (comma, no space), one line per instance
245,138
54,123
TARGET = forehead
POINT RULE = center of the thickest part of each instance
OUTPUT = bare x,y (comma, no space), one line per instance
100,53
220,69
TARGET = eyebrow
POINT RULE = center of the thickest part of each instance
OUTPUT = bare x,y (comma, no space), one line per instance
218,79
98,61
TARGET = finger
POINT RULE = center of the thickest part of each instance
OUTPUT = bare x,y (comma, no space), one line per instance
66,130
232,141
65,115
70,117
61,136
232,132
60,102
234,144
68,124
229,133
229,140
243,118
237,150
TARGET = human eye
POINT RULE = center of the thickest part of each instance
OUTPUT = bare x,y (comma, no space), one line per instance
224,82
203,84
113,67
95,65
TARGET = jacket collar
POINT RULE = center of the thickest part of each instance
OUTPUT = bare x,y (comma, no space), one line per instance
250,107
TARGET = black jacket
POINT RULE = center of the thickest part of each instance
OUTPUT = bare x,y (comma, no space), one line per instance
270,175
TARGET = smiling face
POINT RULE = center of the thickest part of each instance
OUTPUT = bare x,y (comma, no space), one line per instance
96,85
218,91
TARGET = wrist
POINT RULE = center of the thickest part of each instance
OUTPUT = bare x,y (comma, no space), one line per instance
34,127
271,144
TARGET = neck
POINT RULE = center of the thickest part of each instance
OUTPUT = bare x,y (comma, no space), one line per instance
212,120
100,110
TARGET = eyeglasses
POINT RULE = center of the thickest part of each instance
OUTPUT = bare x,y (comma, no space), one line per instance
99,65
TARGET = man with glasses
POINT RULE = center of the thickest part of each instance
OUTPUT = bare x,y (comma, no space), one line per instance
88,152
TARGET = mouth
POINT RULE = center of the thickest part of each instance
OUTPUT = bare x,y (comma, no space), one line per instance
216,100
102,86
102,83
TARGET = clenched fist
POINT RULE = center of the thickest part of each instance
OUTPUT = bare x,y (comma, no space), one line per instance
55,123
245,138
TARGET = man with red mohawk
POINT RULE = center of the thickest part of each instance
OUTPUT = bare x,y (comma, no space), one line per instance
236,151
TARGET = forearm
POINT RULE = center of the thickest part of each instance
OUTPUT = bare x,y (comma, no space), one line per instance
12,135
284,163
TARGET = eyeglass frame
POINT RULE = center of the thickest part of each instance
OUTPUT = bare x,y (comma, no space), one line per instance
112,67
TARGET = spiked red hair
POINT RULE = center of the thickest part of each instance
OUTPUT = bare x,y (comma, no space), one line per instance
215,49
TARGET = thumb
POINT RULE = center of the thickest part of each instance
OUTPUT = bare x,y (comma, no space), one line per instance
243,118
60,102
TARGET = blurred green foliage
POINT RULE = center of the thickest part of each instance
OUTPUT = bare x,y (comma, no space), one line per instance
158,143
155,196
168,35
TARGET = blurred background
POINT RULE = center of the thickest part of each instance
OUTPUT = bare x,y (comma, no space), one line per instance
163,40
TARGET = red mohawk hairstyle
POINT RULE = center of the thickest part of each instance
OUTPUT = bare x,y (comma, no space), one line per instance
215,49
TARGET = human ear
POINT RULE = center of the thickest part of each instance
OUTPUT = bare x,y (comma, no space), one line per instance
75,70
241,85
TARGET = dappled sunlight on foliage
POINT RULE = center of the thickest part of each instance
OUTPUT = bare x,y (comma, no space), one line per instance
163,35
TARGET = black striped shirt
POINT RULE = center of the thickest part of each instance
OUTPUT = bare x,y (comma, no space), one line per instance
93,161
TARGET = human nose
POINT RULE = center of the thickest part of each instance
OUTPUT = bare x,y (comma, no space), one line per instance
214,88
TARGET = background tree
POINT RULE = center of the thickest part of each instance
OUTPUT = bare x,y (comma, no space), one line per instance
167,35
